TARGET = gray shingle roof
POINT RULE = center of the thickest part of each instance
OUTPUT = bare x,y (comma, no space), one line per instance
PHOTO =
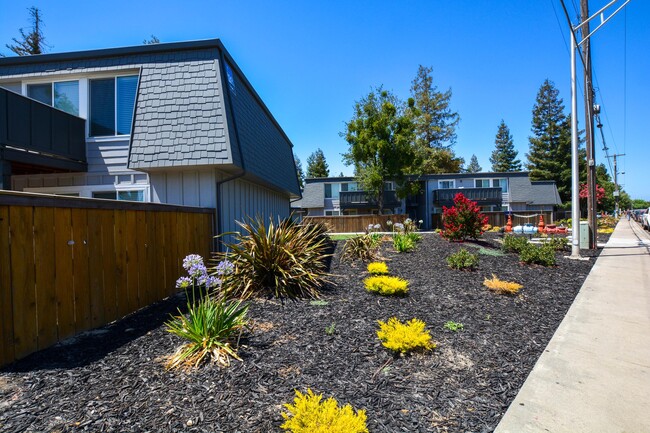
313,196
522,190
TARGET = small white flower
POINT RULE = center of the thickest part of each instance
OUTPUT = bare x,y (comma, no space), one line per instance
377,226
420,221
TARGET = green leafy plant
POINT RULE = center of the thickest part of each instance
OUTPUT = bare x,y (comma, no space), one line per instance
404,337
377,268
538,255
362,247
318,303
487,251
309,414
330,329
415,237
454,326
463,259
403,243
282,259
502,287
386,285
514,243
211,323
463,220
557,243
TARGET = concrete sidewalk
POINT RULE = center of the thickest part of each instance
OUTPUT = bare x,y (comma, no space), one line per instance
594,375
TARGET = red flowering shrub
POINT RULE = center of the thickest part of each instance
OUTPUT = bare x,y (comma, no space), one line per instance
600,192
463,220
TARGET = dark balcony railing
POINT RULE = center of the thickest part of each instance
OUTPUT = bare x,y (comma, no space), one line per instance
483,196
34,133
361,199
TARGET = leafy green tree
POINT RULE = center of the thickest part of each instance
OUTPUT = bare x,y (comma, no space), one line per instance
639,203
380,137
504,156
473,166
299,172
437,161
549,157
317,165
32,42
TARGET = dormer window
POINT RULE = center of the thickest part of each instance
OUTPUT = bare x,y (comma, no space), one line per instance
63,95
111,105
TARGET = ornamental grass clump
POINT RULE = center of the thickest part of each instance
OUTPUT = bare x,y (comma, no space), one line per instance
386,285
363,247
463,260
502,287
377,268
309,414
282,259
212,322
404,337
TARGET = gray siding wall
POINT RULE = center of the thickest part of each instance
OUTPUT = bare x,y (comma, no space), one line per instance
107,156
184,187
14,87
266,152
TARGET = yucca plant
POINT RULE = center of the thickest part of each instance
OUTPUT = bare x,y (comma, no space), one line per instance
362,247
283,259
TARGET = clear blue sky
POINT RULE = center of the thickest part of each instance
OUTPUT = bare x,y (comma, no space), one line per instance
310,61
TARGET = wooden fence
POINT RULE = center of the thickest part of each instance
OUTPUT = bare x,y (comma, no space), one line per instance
356,223
500,219
68,265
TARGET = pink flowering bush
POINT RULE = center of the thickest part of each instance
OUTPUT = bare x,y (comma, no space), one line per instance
463,220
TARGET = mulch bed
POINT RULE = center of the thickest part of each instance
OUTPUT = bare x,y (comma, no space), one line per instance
113,380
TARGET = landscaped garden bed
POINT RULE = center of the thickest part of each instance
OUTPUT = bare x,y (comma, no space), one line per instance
115,380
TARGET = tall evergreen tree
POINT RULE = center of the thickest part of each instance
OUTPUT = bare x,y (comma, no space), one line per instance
380,138
151,41
32,42
504,156
473,166
299,172
549,156
316,165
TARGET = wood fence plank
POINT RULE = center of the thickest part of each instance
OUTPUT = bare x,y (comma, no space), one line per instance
156,284
107,223
169,252
144,283
6,303
46,304
23,280
63,279
121,263
95,268
80,270
132,260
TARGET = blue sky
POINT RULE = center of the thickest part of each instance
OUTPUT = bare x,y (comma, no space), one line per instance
310,61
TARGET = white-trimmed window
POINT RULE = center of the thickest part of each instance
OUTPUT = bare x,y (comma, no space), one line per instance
446,184
482,183
500,183
63,95
130,195
111,102
332,213
332,190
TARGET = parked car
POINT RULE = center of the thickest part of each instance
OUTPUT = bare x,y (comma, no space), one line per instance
645,219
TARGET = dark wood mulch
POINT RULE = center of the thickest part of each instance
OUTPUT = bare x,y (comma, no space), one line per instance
113,380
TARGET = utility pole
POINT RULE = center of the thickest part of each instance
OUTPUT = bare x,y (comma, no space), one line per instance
589,127
616,190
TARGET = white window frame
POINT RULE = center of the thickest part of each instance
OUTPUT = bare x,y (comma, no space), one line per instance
115,76
453,183
332,212
482,179
51,81
86,191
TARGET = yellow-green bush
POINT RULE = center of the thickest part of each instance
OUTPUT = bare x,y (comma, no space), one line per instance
386,285
377,268
502,287
308,414
404,337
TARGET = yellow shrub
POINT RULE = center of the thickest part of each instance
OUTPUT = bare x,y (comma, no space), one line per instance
502,287
404,337
309,415
386,285
606,230
377,268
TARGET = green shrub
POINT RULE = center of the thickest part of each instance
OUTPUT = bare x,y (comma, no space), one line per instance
386,285
539,255
404,337
403,243
283,259
308,414
514,244
463,259
415,237
377,268
362,247
557,243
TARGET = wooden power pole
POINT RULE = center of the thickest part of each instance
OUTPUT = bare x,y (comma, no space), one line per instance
589,128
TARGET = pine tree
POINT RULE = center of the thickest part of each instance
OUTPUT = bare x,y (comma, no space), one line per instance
473,166
32,42
299,172
151,41
549,157
316,165
504,155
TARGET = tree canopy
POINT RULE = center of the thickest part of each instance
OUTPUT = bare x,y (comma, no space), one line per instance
299,172
317,165
380,136
504,156
473,166
549,157
32,41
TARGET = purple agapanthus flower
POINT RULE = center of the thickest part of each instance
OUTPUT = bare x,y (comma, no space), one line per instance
225,268
183,282
192,260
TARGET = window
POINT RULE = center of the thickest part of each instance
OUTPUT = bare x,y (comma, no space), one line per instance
445,184
349,186
482,183
500,183
63,95
332,190
332,213
120,195
111,105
